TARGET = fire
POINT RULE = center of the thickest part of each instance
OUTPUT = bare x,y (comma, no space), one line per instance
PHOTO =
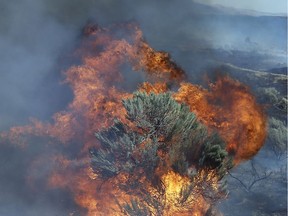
227,107
197,204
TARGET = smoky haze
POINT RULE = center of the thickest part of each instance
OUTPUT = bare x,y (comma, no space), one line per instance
37,38
35,34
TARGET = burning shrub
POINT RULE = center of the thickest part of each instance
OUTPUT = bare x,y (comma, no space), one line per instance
155,157
162,138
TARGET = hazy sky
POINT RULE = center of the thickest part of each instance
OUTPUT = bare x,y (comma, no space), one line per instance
269,6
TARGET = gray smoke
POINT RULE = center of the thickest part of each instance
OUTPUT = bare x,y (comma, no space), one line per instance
38,36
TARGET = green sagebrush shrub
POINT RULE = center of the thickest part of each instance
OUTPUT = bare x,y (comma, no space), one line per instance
160,125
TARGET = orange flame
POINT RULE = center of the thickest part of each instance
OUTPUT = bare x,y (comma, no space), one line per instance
227,107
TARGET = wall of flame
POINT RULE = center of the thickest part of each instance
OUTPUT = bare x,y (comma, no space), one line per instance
227,107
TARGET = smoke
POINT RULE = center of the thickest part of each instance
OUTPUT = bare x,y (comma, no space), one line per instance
36,39
31,43
34,34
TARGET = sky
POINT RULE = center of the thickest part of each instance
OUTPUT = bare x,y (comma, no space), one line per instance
266,6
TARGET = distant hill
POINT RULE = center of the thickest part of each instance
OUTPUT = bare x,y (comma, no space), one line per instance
244,38
282,70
